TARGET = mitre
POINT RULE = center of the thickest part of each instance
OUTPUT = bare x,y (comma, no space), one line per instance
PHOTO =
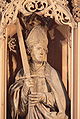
37,35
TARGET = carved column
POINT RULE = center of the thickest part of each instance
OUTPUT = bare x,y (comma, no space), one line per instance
76,78
75,73
2,79
79,70
64,63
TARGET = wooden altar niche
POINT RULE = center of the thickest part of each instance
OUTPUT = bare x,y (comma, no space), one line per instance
60,49
58,46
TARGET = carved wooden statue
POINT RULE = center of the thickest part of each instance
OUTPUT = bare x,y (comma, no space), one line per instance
41,96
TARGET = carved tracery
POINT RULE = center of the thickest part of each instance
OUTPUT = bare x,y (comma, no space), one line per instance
52,8
55,9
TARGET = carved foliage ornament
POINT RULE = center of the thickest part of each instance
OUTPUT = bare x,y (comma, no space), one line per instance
52,8
76,10
76,13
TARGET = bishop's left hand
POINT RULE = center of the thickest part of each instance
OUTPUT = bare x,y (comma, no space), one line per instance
35,98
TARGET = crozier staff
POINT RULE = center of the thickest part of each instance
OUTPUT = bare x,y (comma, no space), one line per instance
43,91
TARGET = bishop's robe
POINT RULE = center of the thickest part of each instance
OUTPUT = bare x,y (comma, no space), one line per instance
54,105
